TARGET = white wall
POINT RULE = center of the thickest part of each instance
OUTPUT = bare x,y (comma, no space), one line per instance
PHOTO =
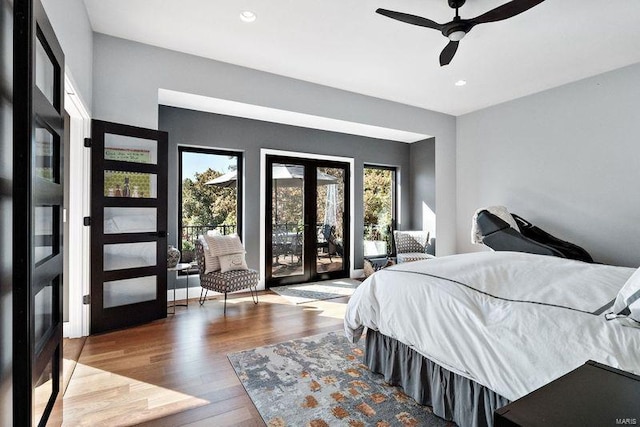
567,159
72,27
127,76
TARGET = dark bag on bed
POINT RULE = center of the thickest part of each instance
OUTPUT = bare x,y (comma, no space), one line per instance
499,236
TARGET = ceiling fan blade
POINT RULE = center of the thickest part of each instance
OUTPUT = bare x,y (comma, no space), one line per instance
410,19
506,11
447,53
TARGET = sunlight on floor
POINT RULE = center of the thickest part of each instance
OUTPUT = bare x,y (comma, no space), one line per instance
113,399
331,309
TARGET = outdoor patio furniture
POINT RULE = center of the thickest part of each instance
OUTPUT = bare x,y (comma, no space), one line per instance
329,242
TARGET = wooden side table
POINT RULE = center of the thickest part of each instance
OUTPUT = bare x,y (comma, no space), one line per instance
592,395
183,266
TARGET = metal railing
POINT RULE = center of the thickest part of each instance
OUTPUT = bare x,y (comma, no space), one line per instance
191,232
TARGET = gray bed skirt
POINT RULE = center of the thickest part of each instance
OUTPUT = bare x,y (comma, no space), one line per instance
451,396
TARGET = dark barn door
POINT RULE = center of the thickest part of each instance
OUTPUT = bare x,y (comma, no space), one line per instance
128,225
37,216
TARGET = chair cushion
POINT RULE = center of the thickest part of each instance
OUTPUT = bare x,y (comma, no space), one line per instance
412,256
229,281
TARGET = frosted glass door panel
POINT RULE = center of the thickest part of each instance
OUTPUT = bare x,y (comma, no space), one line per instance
130,220
45,153
45,73
130,184
129,255
45,239
43,312
129,291
130,149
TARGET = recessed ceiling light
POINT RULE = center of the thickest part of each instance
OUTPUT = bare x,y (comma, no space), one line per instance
247,16
460,83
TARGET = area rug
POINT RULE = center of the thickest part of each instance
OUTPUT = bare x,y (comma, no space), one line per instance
317,291
320,381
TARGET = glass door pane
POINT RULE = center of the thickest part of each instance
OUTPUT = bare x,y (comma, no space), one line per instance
125,148
379,211
287,216
330,219
210,197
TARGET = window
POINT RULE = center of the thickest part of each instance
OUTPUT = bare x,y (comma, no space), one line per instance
210,195
379,210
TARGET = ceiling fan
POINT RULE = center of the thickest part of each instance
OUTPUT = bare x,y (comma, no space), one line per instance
458,28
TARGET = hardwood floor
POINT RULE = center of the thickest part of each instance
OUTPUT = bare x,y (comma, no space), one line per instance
175,372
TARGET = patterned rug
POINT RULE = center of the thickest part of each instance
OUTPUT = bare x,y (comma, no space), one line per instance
320,381
317,291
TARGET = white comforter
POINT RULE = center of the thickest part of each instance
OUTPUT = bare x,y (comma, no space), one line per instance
527,321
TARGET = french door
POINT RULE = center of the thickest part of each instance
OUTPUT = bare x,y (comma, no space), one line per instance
37,215
307,220
128,225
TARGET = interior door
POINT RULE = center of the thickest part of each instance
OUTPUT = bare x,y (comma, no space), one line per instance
307,220
128,225
37,216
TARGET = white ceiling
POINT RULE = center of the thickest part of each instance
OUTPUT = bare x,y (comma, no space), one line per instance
346,45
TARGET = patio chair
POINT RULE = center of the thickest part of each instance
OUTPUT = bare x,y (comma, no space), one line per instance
229,281
328,240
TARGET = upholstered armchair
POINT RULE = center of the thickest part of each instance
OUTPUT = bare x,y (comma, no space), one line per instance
229,281
411,246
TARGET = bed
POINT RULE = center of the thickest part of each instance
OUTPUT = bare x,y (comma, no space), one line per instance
469,333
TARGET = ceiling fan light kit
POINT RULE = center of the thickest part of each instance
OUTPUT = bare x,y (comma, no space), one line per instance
458,28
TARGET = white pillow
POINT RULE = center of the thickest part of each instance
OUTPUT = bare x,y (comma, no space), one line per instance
224,245
211,262
627,304
232,262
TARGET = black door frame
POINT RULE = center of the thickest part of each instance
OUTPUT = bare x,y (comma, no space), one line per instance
310,210
239,155
32,108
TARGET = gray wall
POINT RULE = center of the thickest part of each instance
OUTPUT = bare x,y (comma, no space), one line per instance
6,224
72,27
423,185
127,76
567,159
196,128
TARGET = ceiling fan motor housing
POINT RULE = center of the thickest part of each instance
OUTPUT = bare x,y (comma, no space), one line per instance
455,26
454,4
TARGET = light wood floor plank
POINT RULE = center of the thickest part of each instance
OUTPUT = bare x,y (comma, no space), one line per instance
175,371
